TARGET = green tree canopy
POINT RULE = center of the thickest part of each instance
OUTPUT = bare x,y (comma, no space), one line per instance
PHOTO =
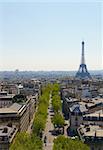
19,98
58,120
23,141
64,143
41,114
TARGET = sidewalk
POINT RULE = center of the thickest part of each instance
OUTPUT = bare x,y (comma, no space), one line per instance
65,128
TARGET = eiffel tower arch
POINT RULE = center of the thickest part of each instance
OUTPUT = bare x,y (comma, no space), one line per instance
83,72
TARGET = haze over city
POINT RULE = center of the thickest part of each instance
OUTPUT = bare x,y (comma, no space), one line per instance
48,35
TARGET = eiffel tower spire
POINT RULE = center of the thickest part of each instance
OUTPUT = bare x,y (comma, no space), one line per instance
82,59
83,72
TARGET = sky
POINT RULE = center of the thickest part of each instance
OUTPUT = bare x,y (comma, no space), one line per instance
47,35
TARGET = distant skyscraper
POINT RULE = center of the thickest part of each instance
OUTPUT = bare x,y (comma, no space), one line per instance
83,72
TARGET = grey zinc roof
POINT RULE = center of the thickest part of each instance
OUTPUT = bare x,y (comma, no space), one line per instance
78,108
16,106
12,109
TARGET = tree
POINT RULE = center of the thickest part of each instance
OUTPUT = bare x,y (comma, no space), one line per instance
58,120
56,103
41,114
55,89
19,98
25,141
56,106
38,125
64,143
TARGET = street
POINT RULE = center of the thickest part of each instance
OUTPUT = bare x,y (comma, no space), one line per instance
49,129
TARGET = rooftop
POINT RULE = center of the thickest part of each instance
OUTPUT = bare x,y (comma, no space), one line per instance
90,132
91,102
95,114
4,94
12,109
78,108
71,99
7,133
15,106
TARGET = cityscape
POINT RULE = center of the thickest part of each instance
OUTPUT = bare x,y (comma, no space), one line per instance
51,89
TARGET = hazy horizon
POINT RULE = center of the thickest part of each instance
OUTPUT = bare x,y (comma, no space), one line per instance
46,70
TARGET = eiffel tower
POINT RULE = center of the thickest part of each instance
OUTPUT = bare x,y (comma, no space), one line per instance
83,72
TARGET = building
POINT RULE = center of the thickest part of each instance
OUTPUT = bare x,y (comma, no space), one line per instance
19,115
7,135
76,110
67,103
5,99
91,135
76,116
30,87
11,88
16,114
83,112
32,104
95,118
93,104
